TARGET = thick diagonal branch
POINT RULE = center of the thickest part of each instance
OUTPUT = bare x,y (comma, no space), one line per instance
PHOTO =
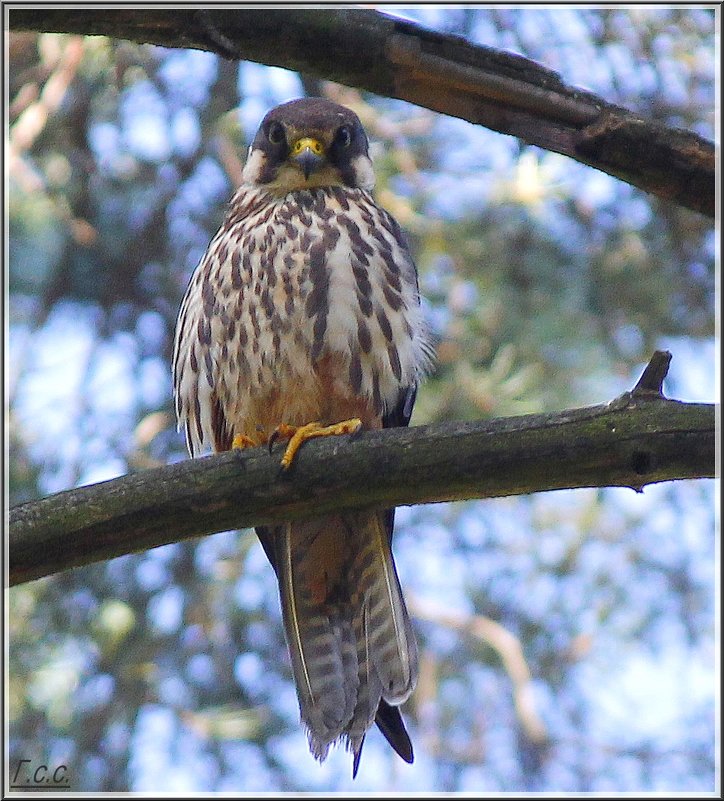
640,438
397,58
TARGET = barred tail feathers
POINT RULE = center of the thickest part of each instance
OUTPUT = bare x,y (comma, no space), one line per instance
349,635
319,635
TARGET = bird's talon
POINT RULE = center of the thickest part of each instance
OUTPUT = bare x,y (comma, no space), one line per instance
241,441
272,439
282,431
297,436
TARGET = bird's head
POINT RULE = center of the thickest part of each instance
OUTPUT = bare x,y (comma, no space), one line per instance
309,143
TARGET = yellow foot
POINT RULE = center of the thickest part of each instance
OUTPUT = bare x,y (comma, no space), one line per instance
241,441
300,434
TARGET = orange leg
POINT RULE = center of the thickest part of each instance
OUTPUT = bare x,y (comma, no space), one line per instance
297,435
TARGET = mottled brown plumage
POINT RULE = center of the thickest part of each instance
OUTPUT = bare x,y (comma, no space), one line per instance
305,308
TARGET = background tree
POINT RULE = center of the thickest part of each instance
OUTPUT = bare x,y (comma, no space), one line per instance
548,285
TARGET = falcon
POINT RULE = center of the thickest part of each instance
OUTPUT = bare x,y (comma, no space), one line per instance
302,320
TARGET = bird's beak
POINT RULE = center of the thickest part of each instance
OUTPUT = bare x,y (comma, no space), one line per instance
308,154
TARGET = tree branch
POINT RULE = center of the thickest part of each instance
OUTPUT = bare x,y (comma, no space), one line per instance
446,73
638,439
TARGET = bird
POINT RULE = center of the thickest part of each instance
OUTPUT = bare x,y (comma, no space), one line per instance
303,319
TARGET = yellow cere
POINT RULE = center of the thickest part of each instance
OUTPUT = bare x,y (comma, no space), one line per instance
307,142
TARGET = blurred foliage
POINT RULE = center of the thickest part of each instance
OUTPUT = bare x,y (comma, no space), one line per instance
547,285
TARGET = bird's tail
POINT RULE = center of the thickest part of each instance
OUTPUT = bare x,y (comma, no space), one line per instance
351,644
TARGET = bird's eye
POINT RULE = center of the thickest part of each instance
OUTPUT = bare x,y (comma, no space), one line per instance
344,136
275,134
